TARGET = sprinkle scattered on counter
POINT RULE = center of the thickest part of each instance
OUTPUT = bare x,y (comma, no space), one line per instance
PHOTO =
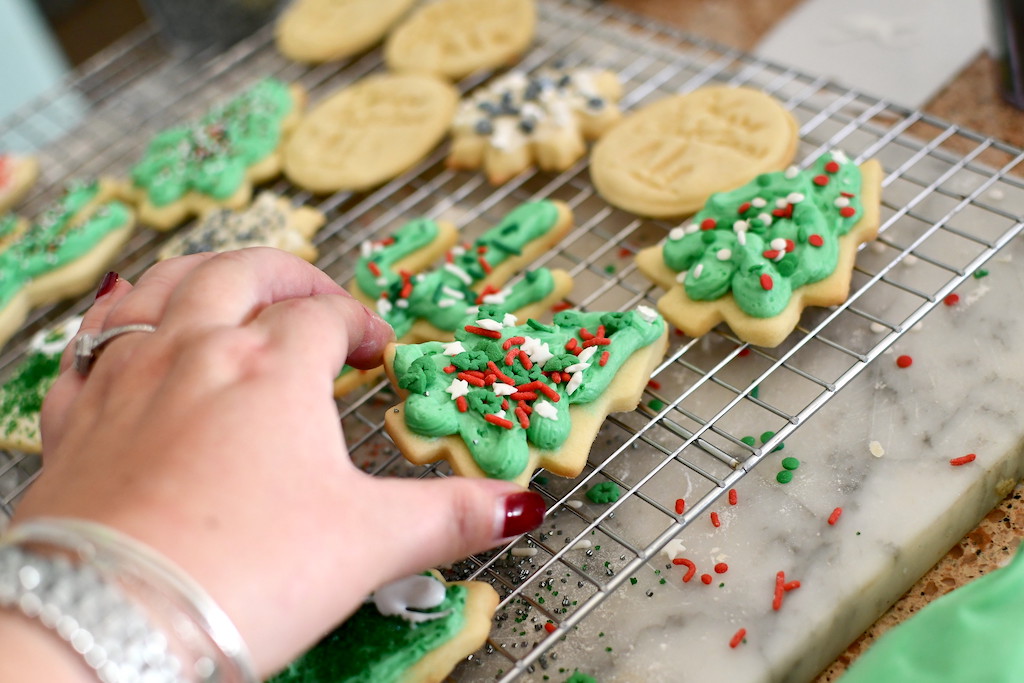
625,252
721,568
739,637
561,306
680,506
963,460
715,520
654,384
781,588
605,492
904,361
980,273
706,579
951,299
834,517
876,449
784,477
655,405
790,463
691,568
549,627
733,497
745,351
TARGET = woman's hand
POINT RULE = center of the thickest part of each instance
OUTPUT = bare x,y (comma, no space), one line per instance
216,441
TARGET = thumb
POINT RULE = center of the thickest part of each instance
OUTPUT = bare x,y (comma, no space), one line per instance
430,522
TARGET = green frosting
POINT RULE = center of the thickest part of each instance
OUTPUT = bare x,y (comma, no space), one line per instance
455,389
764,240
972,634
371,648
212,155
443,295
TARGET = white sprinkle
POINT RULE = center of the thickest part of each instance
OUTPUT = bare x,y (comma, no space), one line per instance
741,237
878,328
778,244
402,303
458,387
586,354
840,156
545,409
692,228
501,414
995,194
876,449
740,226
488,324
471,310
509,320
681,276
453,348
457,250
759,202
795,197
383,306
576,367
792,172
586,543
452,292
446,303
381,281
648,314
781,204
576,505
676,234
698,270
537,350
674,549
365,249
841,202
524,552
502,389
723,254
496,298
459,273
766,219
910,259
574,383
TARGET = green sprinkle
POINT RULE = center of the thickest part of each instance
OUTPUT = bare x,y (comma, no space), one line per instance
632,581
662,582
784,477
655,405
980,273
605,492
577,677
610,269
756,391
790,463
749,440
541,480
767,435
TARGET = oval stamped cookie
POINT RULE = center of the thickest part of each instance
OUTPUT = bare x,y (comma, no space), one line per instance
323,30
454,38
669,157
369,132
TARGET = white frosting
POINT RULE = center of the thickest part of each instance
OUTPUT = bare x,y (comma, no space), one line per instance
53,340
399,598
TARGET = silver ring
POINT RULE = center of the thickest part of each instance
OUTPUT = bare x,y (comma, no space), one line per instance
88,346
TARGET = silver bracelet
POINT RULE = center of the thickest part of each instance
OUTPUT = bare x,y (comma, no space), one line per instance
125,609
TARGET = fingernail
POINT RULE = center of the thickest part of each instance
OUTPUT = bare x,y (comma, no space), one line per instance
109,280
523,512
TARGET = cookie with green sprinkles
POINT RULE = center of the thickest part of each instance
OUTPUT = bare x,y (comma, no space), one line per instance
756,256
505,399
414,630
21,395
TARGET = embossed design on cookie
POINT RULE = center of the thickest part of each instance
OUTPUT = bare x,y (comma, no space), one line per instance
271,221
667,158
369,132
454,38
325,30
543,118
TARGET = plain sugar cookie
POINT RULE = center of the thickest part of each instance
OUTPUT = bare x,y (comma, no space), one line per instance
325,30
454,38
17,174
669,157
756,256
369,132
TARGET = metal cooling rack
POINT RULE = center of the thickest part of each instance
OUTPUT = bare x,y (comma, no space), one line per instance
946,191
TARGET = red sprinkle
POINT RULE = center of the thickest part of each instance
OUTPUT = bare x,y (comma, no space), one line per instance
780,578
524,420
821,180
815,240
847,211
963,460
766,282
715,521
604,359
721,568
508,343
499,374
489,289
904,361
744,207
733,496
745,351
596,341
491,334
951,299
586,334
462,404
706,579
708,224
790,245
691,568
373,268
524,358
680,506
770,254
524,396
738,638
406,285
832,167
484,264
449,369
625,252
848,194
499,421
571,344
549,627
654,384
475,381
511,356
482,249
834,517
561,306
387,241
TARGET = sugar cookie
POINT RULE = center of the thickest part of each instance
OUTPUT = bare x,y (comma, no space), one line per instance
325,30
503,400
17,174
414,630
431,305
214,162
271,221
517,120
21,396
454,38
369,132
667,158
756,256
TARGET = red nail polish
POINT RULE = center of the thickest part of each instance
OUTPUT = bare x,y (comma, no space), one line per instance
523,512
109,280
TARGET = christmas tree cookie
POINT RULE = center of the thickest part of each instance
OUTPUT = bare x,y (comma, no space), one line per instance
414,630
504,399
214,161
427,305
21,396
754,257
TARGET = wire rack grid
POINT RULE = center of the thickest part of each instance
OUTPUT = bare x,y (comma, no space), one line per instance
951,200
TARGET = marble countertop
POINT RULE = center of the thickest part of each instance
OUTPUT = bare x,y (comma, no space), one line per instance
972,100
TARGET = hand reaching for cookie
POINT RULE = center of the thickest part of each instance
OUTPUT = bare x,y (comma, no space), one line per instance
215,441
